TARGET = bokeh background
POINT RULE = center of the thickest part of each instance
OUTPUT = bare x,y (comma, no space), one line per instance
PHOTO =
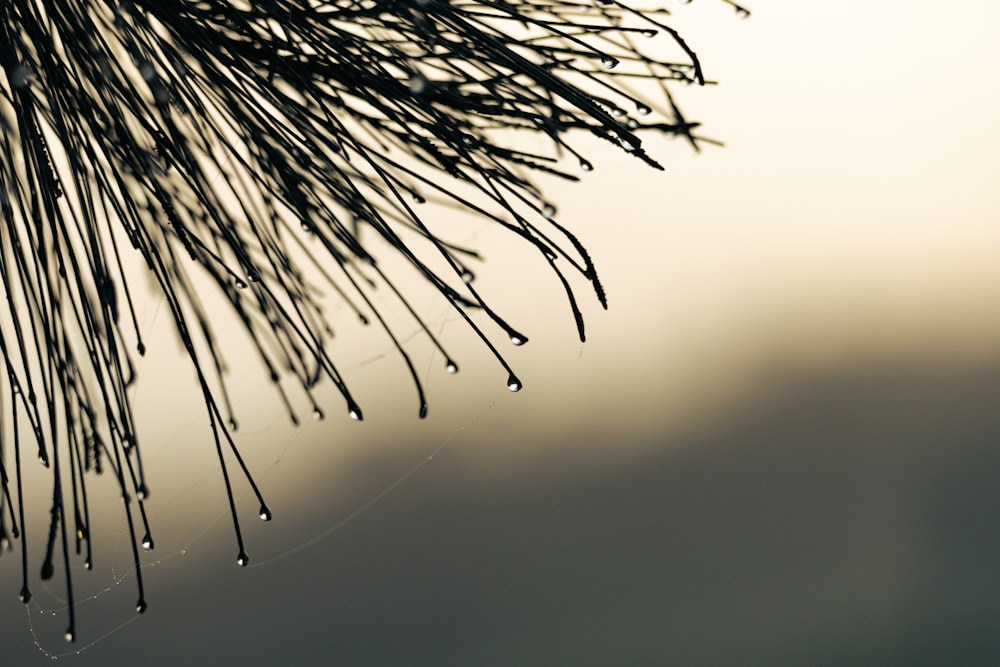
780,446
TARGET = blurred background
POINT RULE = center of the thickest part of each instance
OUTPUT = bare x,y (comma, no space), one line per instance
779,446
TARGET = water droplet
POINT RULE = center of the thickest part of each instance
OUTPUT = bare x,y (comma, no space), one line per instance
417,83
451,367
548,211
233,425
142,493
649,32
147,71
184,552
617,112
626,144
632,123
240,284
306,227
318,414
20,76
147,542
70,636
609,62
642,109
742,13
141,606
586,165
253,276
242,559
467,276
517,339
355,413
423,410
88,565
25,595
513,383
265,513
419,198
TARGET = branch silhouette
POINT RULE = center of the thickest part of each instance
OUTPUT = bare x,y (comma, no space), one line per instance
247,142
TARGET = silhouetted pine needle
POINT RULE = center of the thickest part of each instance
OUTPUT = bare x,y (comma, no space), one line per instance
222,135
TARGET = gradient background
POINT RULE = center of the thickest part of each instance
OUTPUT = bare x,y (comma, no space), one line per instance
780,446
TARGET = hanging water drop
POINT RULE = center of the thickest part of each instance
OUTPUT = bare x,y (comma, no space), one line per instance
141,606
265,513
548,211
318,414
451,367
142,493
518,340
648,33
586,165
642,109
417,83
609,62
147,542
70,636
25,595
233,425
355,413
742,13
240,284
513,383
147,71
242,559
467,276
20,76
